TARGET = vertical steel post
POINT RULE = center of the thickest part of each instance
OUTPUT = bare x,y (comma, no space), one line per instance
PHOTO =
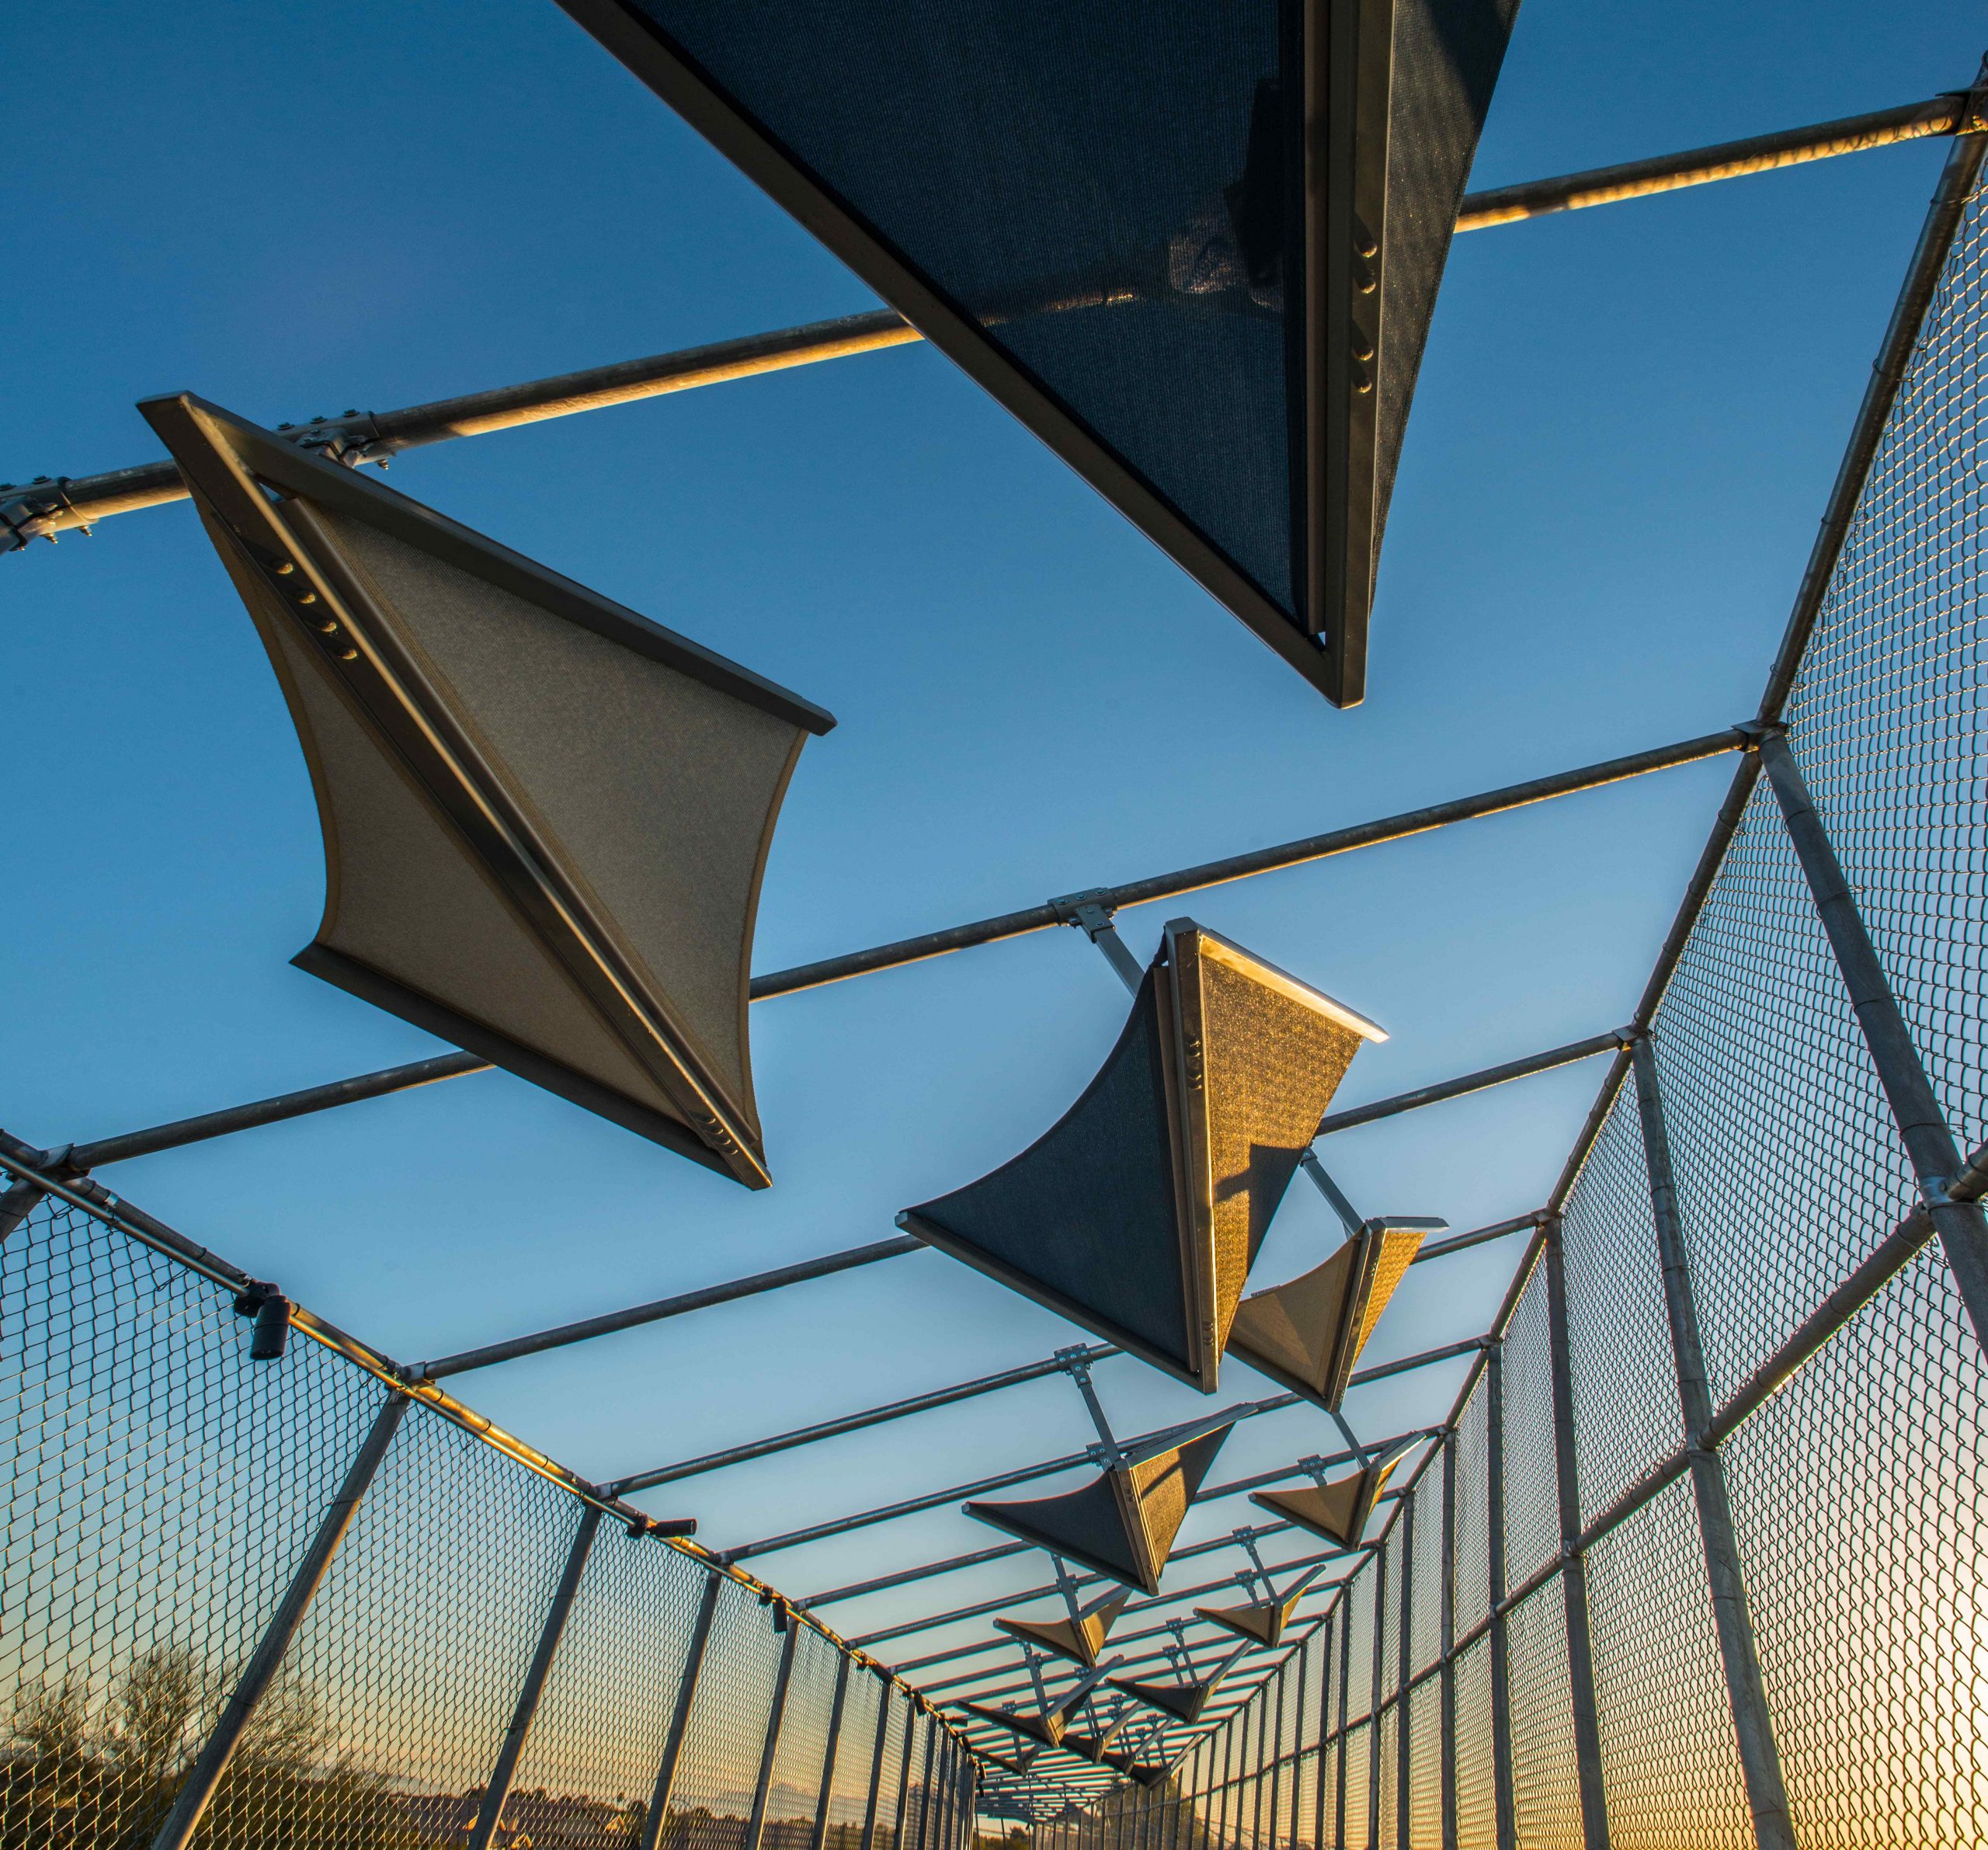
1325,1726
756,1822
924,1840
526,1710
1404,1737
1373,1701
1298,1714
1759,1758
1256,1784
904,1775
679,1716
1446,1644
1499,1643
1345,1678
825,1796
1573,1573
876,1771
196,1792
1922,1125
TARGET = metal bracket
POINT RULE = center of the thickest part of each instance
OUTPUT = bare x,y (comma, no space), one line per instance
351,439
1349,1214
1076,1364
1092,916
23,509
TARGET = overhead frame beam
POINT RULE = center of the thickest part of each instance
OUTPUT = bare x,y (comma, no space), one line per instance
1175,884
1059,1363
45,508
1091,1455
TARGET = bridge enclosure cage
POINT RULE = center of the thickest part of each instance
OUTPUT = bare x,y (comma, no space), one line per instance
1695,1557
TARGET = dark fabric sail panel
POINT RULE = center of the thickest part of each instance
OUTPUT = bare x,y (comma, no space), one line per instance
1122,1523
1261,1622
545,819
1336,1511
1081,1640
1307,1335
594,736
1083,1220
1448,54
1087,1525
1185,1702
1114,219
1059,175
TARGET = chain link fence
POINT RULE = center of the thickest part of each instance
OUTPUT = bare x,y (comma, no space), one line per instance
1762,1621
164,1492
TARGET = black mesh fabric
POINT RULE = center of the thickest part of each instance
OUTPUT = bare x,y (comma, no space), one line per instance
1108,194
1084,1219
1086,1525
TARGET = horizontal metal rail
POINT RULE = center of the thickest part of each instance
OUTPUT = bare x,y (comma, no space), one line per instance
1092,1455
1723,161
875,1416
45,508
893,1409
1173,885
587,1328
77,1157
1573,1052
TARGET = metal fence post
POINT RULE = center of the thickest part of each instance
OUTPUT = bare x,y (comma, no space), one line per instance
687,1692
1573,1572
1404,1739
1760,1758
1499,1643
1345,1678
876,1772
904,1775
1373,1839
825,1796
1446,1644
498,1790
201,1782
924,1840
1325,1726
756,1824
1922,1125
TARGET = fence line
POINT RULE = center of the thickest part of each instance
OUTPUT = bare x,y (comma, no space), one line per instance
1697,1558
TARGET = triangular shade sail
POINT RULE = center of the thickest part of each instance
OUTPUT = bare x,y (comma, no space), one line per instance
1121,1524
545,818
1338,1510
1081,1640
1261,1622
1195,248
1184,1701
1138,1215
1307,1335
1094,1747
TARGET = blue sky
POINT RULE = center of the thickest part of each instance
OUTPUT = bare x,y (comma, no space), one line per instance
1626,424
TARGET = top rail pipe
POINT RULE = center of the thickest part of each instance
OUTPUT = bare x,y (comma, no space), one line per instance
587,1328
1945,115
42,510
875,1416
84,1156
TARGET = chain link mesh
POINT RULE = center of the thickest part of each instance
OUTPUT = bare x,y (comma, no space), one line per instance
1476,1800
1532,1492
1626,1411
1545,1796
